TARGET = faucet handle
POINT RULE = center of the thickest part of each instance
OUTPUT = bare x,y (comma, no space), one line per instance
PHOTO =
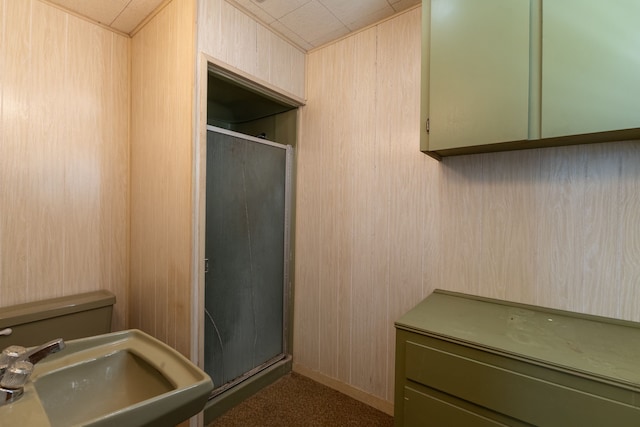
16,375
10,355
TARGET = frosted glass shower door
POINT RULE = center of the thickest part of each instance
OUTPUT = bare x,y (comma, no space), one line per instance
246,284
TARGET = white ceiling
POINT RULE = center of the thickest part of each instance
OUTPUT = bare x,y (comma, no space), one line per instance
312,23
306,23
121,15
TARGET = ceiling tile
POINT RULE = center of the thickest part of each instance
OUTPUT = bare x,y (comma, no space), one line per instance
134,14
400,5
371,18
312,22
255,10
353,10
330,36
103,12
279,8
290,35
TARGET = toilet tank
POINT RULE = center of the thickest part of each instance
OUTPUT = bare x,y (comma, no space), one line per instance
69,317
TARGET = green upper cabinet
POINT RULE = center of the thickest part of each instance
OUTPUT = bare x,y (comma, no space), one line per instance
590,67
479,72
510,74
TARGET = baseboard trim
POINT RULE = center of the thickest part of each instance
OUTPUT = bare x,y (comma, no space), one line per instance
364,397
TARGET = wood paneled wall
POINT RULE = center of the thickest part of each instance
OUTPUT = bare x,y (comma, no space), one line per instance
236,39
380,225
64,155
163,75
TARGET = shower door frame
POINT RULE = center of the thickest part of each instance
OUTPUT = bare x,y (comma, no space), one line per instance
287,255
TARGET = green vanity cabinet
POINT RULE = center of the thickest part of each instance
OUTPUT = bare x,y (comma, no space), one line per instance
511,74
463,360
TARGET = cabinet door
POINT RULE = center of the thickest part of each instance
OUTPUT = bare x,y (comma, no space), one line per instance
590,66
478,72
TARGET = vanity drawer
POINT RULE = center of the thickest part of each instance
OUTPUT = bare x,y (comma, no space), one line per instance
532,400
433,409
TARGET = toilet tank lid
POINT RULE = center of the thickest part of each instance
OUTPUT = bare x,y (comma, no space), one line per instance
54,307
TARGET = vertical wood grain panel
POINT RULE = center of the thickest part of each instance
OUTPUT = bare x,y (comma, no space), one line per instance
145,128
183,192
461,195
47,163
369,225
602,258
163,73
395,131
116,161
167,144
264,54
337,279
310,197
82,177
233,37
560,224
508,225
629,187
3,178
308,234
135,221
331,248
64,156
210,38
239,39
279,62
15,151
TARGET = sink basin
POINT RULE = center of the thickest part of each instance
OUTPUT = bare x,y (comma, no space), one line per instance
120,379
99,387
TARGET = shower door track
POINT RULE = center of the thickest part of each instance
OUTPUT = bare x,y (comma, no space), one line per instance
218,391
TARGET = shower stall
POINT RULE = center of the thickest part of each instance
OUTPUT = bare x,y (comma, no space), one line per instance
248,234
246,250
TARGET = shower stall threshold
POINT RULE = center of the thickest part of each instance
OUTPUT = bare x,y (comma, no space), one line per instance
234,392
223,388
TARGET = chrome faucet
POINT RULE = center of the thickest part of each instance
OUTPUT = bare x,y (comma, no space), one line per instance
38,353
16,365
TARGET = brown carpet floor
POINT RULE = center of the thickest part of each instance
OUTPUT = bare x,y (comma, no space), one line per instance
296,400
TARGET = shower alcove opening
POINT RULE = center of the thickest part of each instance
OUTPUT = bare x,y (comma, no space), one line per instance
250,138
